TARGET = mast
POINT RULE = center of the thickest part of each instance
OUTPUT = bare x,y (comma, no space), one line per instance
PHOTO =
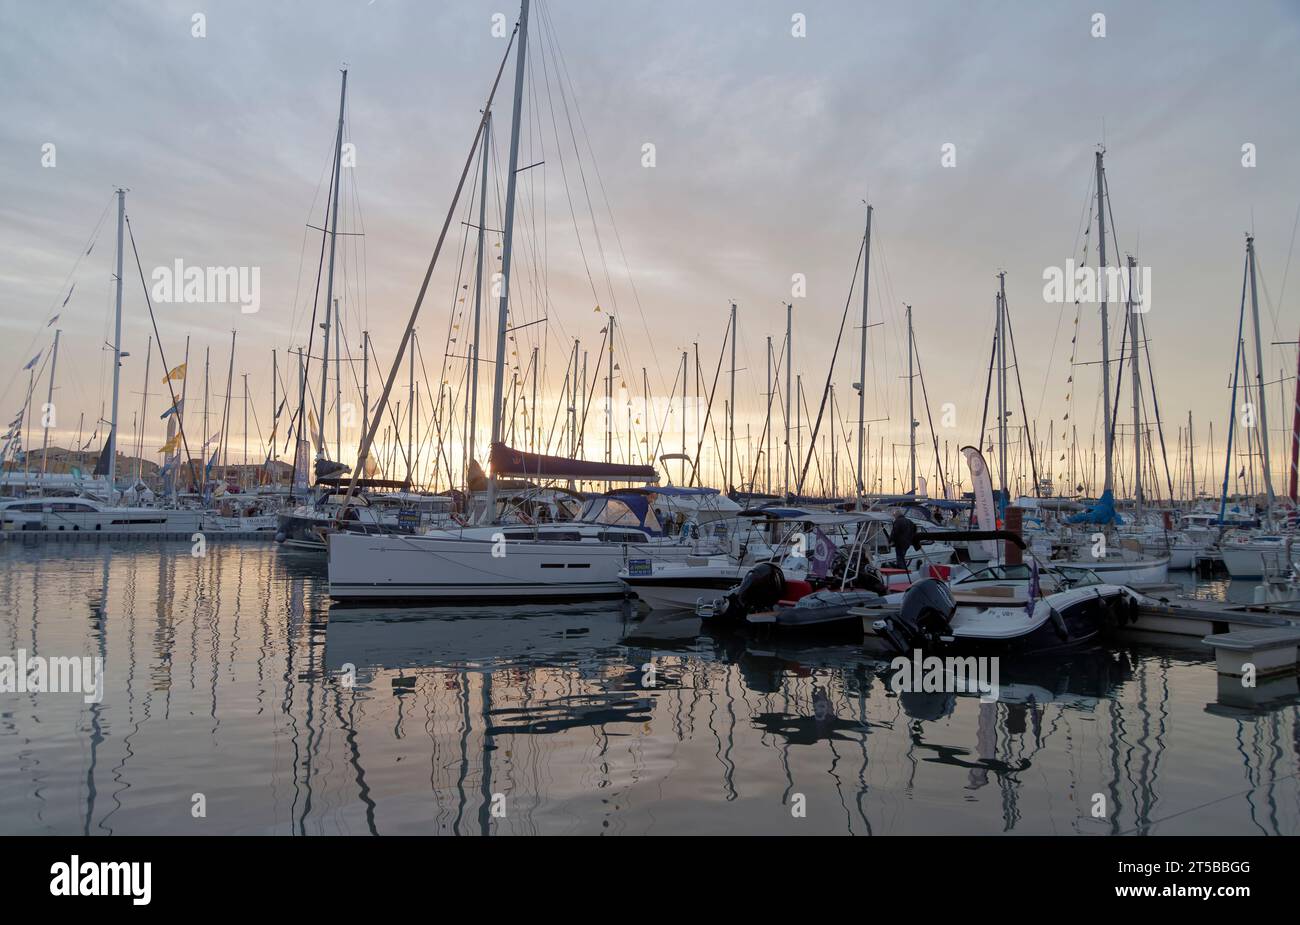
1105,323
911,412
862,359
1295,434
225,414
1002,383
503,315
609,394
49,404
338,384
789,357
767,427
685,394
1136,376
1191,459
244,475
144,406
1259,377
117,351
365,390
329,284
410,411
478,291
731,408
275,403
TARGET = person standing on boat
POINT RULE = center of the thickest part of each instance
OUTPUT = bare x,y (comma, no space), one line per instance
902,535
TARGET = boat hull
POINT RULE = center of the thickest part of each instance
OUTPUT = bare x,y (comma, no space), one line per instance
446,569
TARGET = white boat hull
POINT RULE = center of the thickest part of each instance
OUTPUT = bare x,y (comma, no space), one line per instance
449,569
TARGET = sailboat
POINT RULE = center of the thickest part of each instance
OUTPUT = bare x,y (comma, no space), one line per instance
495,562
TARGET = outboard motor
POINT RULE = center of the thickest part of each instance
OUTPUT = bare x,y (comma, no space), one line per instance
923,619
760,589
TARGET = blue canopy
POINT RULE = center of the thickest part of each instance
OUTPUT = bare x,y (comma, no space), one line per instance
1103,512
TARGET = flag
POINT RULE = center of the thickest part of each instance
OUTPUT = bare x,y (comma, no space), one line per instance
985,510
51,321
170,445
32,361
823,552
1032,597
69,295
174,409
175,375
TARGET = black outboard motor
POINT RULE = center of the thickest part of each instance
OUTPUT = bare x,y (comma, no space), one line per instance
923,619
760,589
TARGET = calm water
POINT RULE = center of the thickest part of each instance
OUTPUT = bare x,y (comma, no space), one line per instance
228,676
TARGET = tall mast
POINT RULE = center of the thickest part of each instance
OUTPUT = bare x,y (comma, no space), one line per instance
911,412
1136,376
275,404
329,284
503,315
731,408
244,474
789,363
365,391
410,411
862,358
1259,376
767,427
117,351
49,404
144,410
1295,438
609,392
685,394
225,414
478,291
1002,383
338,384
1105,323
1191,455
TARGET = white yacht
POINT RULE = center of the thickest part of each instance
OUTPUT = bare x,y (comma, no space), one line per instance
87,514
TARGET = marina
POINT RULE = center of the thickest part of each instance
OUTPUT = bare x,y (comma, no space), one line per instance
708,420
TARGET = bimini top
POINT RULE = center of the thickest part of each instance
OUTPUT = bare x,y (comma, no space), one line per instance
817,517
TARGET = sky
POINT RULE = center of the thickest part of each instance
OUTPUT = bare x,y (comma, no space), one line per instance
771,124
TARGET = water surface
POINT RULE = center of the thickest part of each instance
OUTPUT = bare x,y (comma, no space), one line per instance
230,676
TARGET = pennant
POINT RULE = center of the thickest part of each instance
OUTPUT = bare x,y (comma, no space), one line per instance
68,296
175,375
170,445
174,409
51,321
32,361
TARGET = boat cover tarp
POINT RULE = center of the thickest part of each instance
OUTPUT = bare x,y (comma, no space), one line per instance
507,461
1103,512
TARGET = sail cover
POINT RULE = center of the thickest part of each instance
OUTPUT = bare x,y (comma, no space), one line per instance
507,461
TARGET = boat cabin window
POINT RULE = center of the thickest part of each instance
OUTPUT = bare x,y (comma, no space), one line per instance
1001,573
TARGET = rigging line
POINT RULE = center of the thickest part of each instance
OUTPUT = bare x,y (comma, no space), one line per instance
767,417
943,481
1020,387
171,388
63,291
563,70
821,408
1155,402
428,273
708,411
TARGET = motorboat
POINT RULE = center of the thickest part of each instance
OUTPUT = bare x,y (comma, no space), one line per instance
80,514
1253,556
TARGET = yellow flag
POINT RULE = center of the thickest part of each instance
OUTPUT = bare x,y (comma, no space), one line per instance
170,445
175,375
